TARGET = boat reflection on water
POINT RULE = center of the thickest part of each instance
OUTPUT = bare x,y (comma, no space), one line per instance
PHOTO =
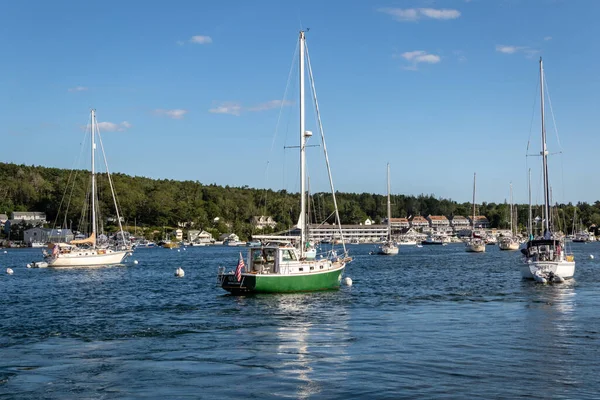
314,334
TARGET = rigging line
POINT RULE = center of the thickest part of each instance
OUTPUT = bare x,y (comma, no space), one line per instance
73,170
314,92
532,114
552,113
114,195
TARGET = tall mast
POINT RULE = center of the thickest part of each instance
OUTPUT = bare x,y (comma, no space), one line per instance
389,205
530,222
511,211
473,220
302,150
93,112
544,155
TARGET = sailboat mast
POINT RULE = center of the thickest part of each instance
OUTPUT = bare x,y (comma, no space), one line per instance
530,222
93,113
389,206
302,149
511,211
544,155
473,220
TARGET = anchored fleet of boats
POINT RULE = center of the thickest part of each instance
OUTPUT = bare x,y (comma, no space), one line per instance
292,263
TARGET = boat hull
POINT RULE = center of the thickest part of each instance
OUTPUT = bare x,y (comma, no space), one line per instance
387,251
282,283
563,269
88,258
509,246
475,248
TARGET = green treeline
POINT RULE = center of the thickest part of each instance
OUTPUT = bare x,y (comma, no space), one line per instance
153,203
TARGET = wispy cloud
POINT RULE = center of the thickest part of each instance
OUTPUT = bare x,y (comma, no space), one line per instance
174,114
227,108
415,14
417,57
269,105
528,51
78,89
548,38
200,39
234,108
112,127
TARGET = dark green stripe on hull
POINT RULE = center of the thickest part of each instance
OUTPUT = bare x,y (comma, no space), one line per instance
252,283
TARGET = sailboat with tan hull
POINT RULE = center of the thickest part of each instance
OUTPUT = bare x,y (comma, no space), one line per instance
89,251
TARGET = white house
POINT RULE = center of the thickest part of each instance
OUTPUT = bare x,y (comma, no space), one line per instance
178,233
263,221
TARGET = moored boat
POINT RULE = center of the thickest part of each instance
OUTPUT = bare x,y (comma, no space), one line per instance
278,267
547,259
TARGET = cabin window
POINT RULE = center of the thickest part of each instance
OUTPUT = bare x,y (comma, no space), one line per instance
288,255
300,269
312,268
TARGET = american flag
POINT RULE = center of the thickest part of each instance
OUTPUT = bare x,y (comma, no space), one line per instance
240,267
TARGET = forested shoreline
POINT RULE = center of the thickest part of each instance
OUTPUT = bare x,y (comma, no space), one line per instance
157,203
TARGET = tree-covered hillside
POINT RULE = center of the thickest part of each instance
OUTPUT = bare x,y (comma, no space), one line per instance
157,203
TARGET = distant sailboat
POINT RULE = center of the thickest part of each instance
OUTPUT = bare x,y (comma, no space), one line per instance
510,242
388,248
475,244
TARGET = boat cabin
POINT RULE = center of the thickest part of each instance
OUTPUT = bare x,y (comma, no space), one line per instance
544,250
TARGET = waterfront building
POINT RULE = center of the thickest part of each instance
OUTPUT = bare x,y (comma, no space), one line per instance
419,222
46,235
263,221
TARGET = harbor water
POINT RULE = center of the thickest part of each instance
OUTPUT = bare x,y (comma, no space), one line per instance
430,322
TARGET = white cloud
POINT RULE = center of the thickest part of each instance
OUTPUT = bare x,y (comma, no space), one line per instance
200,39
112,127
237,109
414,14
269,105
548,38
175,114
78,89
227,108
440,13
419,56
528,51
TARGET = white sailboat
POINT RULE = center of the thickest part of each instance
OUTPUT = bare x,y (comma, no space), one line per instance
279,266
88,252
388,248
474,244
546,259
510,242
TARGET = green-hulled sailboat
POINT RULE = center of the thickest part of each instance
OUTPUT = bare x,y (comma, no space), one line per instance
283,266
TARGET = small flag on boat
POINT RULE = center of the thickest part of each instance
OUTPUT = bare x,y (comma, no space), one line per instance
240,266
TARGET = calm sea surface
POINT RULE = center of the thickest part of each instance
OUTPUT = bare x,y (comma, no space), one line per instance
431,322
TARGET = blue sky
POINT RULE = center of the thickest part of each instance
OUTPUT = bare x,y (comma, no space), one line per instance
191,90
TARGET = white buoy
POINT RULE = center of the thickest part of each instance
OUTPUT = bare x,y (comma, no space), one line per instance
184,249
591,256
5,251
347,281
179,272
28,265
178,250
135,262
9,271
